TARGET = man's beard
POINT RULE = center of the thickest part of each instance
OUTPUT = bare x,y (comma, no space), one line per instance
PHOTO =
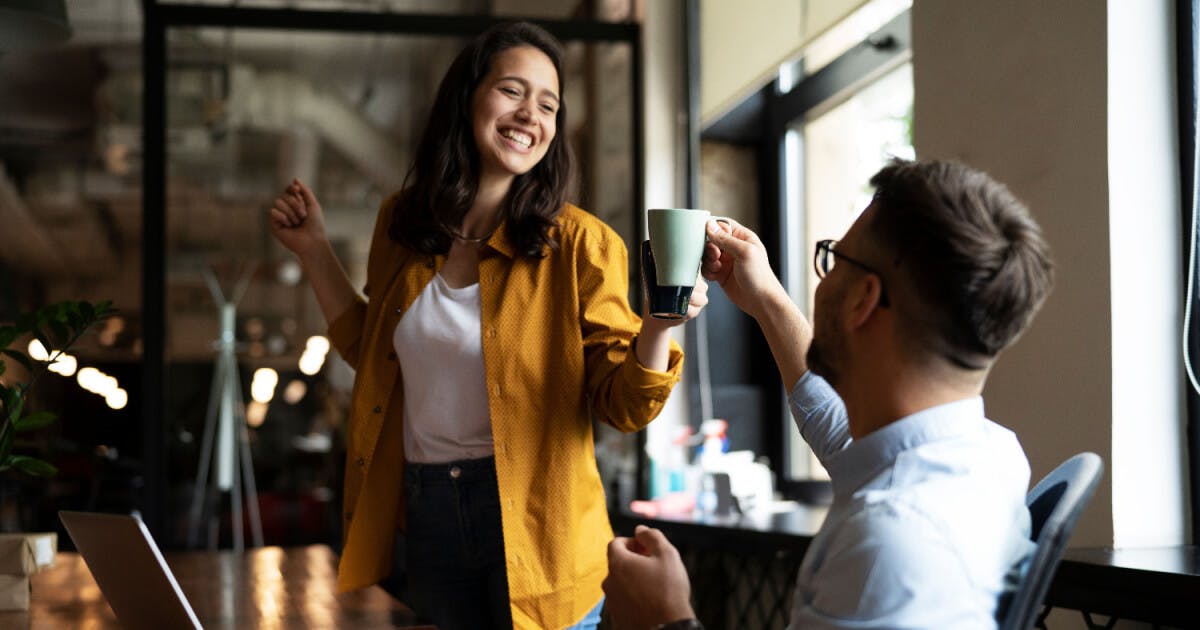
823,354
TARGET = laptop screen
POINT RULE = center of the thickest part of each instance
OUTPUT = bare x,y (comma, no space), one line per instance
129,570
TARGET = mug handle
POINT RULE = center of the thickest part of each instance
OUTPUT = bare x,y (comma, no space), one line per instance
725,220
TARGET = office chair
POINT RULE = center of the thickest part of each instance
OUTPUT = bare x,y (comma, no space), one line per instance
1055,504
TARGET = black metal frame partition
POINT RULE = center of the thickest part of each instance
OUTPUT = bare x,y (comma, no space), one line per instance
157,19
1187,31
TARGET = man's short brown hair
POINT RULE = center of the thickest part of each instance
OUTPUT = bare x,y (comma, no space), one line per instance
966,251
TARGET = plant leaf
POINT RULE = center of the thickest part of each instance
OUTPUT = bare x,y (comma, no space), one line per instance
14,402
19,357
7,335
33,466
6,443
87,311
74,319
25,322
60,332
41,336
33,421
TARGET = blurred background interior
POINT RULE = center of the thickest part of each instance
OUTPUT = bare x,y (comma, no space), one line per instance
140,172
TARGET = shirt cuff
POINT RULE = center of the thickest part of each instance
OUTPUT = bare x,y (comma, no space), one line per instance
654,383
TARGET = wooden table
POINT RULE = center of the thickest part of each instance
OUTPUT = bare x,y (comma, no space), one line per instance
269,587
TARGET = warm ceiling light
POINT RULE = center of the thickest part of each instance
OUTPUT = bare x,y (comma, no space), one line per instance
31,23
117,399
65,365
295,391
88,378
37,351
289,273
317,344
262,386
256,413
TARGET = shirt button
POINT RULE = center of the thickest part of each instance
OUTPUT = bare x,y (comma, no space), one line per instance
455,472
492,333
399,311
496,389
377,409
361,461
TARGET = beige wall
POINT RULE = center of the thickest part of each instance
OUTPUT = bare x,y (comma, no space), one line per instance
745,41
1020,91
1023,90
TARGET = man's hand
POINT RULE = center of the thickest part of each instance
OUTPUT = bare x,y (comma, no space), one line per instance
737,260
646,584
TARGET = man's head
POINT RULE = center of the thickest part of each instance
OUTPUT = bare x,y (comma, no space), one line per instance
952,253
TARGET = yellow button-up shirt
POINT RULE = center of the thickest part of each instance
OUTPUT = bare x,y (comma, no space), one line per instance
558,339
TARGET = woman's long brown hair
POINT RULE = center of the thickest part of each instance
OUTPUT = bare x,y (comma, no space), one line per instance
444,178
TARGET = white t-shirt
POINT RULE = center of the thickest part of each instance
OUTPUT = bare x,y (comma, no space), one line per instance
438,343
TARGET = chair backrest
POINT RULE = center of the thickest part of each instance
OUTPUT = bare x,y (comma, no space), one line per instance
1055,504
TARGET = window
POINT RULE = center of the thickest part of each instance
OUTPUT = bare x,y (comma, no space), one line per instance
843,123
814,138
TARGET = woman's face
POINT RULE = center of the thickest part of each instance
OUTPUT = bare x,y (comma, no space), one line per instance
513,112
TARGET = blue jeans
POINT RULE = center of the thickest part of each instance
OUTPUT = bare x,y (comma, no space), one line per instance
456,576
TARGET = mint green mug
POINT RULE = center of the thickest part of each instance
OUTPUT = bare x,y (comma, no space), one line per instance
671,258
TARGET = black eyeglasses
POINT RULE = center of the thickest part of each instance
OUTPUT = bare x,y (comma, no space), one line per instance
826,256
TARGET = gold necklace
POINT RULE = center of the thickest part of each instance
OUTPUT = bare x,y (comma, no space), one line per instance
469,239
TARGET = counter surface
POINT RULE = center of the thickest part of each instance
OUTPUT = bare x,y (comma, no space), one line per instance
271,587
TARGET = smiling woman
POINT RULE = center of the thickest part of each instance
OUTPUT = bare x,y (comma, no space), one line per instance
497,327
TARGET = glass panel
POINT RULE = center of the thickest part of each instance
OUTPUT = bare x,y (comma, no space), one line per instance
248,110
70,207
843,148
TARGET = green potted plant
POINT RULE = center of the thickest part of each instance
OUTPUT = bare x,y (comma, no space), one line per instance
57,327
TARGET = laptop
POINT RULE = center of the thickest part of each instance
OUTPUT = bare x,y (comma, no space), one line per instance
130,571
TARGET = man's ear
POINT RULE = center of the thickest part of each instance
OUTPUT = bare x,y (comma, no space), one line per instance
865,298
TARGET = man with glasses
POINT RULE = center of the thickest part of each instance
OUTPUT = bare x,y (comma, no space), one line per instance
943,270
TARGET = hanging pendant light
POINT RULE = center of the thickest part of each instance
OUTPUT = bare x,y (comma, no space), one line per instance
32,23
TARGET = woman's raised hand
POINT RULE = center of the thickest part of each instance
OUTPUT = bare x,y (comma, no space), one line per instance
297,220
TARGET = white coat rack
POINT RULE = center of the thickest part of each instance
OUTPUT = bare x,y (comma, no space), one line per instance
226,421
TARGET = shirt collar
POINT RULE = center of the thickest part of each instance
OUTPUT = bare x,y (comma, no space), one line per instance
499,242
864,458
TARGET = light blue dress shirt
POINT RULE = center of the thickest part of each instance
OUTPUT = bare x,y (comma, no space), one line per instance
928,517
